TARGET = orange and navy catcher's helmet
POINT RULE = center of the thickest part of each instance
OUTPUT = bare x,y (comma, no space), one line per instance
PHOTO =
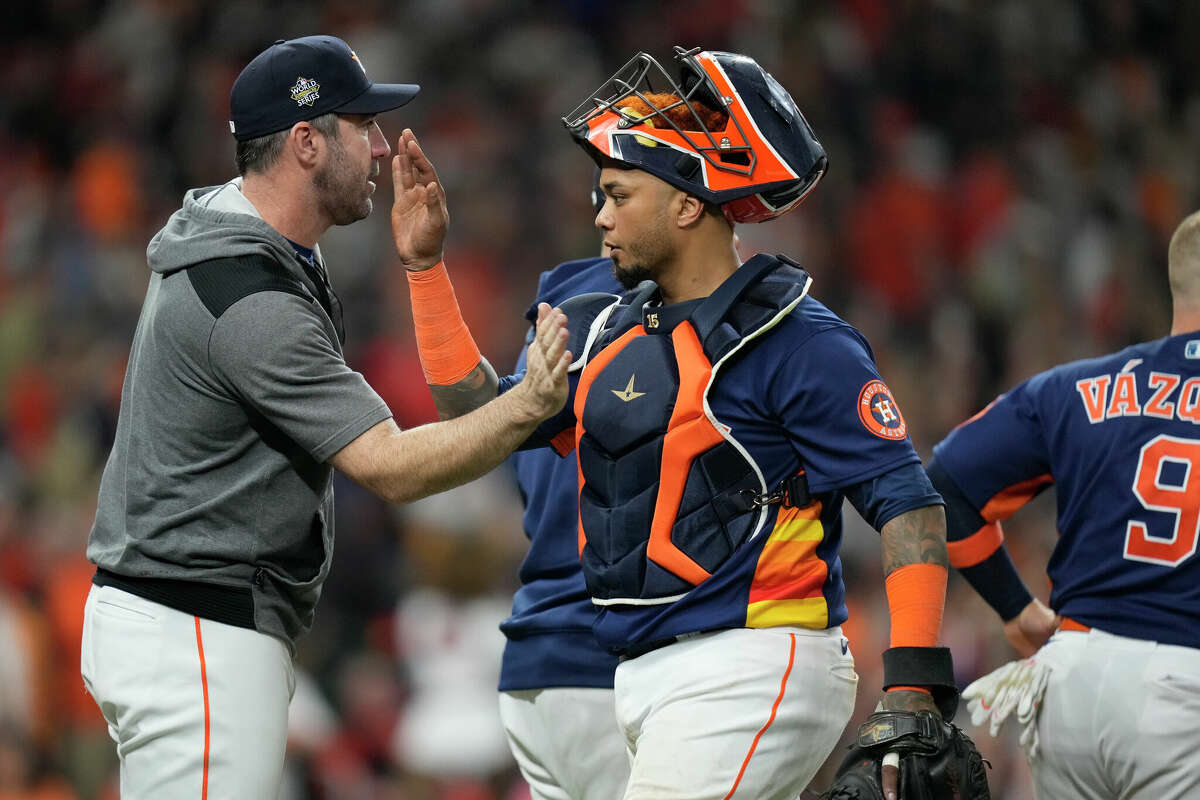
727,132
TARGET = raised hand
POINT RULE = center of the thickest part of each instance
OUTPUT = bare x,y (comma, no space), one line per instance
545,381
419,213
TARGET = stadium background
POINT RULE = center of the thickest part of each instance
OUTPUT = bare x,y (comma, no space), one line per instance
1004,179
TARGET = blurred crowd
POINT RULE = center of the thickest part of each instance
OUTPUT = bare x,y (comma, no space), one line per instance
1004,177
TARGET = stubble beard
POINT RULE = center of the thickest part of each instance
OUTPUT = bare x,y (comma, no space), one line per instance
342,188
630,277
643,257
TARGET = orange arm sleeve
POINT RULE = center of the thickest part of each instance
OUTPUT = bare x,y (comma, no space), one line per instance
916,598
447,349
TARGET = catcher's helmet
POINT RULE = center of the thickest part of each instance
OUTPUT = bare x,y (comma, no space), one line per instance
756,156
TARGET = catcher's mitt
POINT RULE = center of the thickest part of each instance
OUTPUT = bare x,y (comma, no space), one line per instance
937,760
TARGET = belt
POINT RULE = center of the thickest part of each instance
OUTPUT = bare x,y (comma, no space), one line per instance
1069,624
232,605
641,648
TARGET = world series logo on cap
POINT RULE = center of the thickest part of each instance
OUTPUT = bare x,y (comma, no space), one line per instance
305,91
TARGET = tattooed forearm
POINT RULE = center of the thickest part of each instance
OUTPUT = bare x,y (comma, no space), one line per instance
915,537
468,394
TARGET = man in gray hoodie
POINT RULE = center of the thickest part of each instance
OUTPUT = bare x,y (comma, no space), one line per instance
214,526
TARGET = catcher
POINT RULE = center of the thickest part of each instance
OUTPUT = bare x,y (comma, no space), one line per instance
721,415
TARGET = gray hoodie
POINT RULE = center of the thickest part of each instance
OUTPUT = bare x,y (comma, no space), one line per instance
235,397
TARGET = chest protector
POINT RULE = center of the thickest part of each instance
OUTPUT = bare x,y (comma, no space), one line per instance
667,492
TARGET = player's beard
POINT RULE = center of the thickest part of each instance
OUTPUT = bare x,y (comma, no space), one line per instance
630,277
641,258
342,186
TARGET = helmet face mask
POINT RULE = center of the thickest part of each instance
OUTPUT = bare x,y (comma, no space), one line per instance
726,132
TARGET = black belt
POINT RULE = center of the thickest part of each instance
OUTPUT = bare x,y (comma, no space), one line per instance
641,648
232,605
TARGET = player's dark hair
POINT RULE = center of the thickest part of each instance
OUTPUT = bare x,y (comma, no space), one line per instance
646,105
259,155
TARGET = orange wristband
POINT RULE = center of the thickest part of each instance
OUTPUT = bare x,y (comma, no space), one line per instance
447,349
916,597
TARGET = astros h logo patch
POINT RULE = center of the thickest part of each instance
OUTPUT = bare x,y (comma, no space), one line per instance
879,412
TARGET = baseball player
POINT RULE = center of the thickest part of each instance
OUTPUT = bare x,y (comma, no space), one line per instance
720,415
556,698
214,527
1109,704
556,680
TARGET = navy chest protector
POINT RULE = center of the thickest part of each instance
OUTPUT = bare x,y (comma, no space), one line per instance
667,495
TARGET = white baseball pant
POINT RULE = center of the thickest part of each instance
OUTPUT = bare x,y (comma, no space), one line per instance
1120,719
198,709
566,742
743,714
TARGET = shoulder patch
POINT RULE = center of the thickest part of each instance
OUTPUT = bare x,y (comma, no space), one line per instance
221,282
879,412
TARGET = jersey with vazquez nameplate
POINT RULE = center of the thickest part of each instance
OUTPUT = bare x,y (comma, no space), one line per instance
793,399
550,639
1119,437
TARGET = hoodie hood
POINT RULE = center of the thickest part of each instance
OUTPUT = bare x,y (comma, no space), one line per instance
217,222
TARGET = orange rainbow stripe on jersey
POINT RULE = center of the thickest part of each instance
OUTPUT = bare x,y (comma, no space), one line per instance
789,577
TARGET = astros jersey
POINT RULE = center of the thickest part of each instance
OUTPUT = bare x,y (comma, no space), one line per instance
805,396
1119,436
550,639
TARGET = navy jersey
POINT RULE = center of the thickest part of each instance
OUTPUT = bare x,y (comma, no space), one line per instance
550,639
1118,438
807,395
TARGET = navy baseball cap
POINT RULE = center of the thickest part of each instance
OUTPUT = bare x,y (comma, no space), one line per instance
298,79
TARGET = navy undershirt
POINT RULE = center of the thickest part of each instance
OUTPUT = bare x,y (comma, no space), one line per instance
325,294
304,252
